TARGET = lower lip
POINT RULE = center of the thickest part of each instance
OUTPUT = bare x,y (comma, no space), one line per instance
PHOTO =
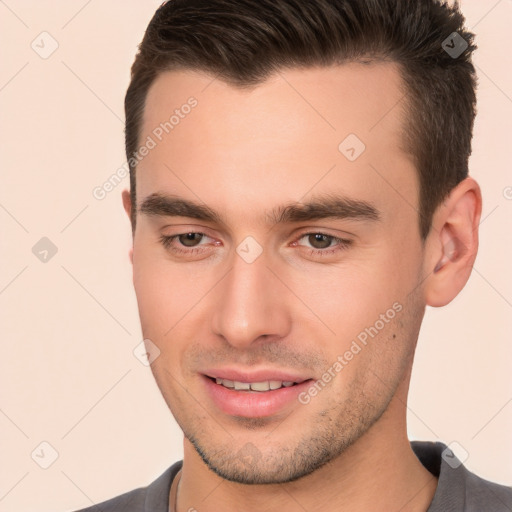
253,404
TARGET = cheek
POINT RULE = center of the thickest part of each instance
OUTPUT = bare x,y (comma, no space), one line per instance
161,296
154,300
347,298
172,299
360,302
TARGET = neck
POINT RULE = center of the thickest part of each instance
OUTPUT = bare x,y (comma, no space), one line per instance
379,472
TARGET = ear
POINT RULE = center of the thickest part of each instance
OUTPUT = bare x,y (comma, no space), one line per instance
452,244
127,204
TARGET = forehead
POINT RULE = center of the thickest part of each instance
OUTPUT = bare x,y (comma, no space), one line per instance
297,132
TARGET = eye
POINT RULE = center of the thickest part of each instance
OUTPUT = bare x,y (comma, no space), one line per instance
189,239
184,243
321,244
317,244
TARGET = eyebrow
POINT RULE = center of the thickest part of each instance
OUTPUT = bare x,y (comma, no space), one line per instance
321,207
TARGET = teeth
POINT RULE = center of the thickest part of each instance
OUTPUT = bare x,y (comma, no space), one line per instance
225,382
254,386
260,386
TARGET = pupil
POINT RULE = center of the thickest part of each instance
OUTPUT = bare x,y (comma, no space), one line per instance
323,240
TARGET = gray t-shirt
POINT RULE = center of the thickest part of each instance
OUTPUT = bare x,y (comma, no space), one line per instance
458,490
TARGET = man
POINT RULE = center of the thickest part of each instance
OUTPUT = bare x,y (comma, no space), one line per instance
299,194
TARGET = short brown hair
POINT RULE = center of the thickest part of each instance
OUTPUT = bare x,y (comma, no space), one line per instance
244,41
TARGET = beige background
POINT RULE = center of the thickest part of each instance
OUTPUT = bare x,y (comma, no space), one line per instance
69,326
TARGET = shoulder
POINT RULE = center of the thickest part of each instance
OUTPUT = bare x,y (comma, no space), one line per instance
129,501
482,494
458,488
154,497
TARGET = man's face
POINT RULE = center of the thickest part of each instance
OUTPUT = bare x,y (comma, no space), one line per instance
252,297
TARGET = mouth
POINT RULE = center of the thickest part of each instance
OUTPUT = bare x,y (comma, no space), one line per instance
259,387
254,398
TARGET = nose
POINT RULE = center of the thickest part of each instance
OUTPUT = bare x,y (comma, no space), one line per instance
251,304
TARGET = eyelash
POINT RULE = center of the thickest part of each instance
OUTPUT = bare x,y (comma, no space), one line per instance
342,244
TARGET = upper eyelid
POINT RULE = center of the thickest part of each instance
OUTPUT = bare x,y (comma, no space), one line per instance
308,229
338,241
298,235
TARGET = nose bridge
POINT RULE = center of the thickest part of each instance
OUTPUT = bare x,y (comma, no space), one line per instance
250,304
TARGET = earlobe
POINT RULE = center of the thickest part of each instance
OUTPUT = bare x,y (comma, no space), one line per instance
452,244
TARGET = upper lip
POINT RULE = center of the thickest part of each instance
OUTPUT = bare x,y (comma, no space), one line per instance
262,375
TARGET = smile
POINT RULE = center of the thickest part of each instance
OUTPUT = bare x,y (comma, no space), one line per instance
255,399
268,385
